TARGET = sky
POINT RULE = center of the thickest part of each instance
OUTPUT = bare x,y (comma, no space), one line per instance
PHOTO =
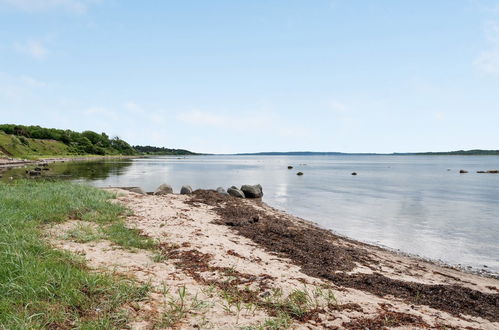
227,76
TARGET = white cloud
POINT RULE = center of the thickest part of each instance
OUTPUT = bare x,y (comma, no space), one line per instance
30,81
488,60
75,6
258,121
338,107
33,48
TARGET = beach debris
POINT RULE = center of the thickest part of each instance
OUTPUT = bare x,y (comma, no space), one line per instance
354,173
222,191
186,190
463,171
252,191
290,167
137,190
299,173
234,191
163,189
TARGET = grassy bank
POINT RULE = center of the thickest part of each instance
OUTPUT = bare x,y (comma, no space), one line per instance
44,288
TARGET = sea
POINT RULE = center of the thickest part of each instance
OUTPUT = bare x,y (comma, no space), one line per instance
420,205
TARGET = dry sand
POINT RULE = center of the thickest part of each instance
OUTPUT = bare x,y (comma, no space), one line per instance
234,278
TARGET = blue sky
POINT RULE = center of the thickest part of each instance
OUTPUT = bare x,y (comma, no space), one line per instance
263,75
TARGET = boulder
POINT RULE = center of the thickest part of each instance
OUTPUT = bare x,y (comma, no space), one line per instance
164,189
299,173
222,191
138,190
290,167
354,173
186,190
252,191
234,191
463,171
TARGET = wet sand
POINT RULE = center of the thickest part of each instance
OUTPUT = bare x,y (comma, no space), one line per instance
252,265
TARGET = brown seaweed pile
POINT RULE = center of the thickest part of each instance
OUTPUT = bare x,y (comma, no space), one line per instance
319,253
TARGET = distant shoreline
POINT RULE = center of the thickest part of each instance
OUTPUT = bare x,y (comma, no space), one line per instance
314,153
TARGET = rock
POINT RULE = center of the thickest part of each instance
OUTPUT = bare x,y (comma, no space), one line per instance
252,191
164,189
186,190
493,171
222,191
299,173
290,167
233,191
138,190
354,173
481,171
463,171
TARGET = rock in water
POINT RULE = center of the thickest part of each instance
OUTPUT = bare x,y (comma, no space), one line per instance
138,190
164,189
233,191
463,171
354,173
186,190
299,173
222,191
290,167
252,191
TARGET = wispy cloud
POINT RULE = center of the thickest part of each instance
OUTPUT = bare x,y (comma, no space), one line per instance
75,6
33,48
30,81
261,122
488,60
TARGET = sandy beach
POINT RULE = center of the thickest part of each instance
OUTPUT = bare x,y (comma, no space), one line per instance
240,263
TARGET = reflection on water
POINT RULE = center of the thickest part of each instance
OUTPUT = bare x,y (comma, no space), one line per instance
87,170
411,203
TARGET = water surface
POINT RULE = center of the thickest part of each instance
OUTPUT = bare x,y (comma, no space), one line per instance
417,204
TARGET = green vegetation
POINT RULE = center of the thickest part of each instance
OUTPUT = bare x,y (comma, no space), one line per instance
69,142
128,238
21,147
149,150
21,141
44,288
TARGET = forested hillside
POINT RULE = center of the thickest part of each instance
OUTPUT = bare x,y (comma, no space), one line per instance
21,141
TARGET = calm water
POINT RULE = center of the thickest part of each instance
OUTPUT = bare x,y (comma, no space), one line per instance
417,204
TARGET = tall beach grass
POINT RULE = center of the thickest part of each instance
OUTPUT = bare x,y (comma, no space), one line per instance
41,287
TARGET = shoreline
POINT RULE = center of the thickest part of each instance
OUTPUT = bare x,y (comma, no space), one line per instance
6,163
209,240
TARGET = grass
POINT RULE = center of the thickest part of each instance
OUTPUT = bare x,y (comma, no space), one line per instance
44,288
128,238
30,148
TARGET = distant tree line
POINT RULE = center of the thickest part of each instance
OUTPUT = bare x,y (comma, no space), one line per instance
150,150
87,142
477,152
